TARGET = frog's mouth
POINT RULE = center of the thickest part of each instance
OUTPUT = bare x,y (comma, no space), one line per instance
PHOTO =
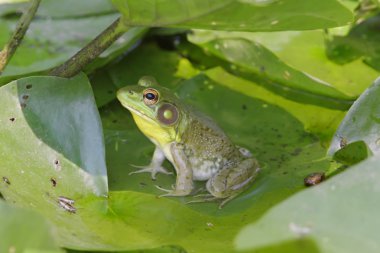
138,113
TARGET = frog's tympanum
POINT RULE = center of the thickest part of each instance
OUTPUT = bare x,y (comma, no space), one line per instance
191,141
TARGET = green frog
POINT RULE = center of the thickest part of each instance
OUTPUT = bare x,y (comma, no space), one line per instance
192,142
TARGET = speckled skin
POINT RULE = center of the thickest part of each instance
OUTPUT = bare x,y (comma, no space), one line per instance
194,144
207,147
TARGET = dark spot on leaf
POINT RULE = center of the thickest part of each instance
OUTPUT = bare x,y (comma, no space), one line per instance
114,121
23,105
244,107
142,184
57,165
6,180
285,172
28,86
12,119
25,97
110,92
296,151
53,182
314,178
262,68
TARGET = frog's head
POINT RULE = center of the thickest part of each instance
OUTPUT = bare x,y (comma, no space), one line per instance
155,109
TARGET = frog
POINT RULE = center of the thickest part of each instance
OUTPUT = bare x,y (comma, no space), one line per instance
191,141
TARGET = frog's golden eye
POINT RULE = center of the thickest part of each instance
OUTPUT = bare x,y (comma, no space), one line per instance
150,96
167,114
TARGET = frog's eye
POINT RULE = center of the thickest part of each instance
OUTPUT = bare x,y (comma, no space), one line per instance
167,114
150,96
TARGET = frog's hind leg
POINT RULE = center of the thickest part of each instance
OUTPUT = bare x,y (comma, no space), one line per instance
231,181
155,165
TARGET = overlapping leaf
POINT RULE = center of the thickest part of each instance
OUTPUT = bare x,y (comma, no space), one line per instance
361,122
241,15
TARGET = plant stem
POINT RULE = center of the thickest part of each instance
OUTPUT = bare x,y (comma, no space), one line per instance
22,26
92,50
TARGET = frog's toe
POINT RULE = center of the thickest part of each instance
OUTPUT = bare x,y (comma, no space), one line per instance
163,189
206,198
150,169
172,193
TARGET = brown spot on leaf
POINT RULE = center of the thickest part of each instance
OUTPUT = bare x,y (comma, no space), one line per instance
25,97
23,105
57,165
6,180
28,86
53,182
12,119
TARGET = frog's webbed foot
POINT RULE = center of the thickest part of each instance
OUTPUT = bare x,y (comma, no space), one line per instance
151,168
206,198
155,166
173,192
210,198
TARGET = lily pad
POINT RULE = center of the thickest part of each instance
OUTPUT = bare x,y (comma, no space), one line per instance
43,48
254,62
361,122
25,231
147,59
327,218
67,9
304,51
132,217
360,42
352,153
242,15
60,153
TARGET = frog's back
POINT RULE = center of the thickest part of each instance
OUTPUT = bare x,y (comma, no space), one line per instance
207,147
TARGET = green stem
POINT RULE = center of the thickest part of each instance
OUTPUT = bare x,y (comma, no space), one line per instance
92,50
22,26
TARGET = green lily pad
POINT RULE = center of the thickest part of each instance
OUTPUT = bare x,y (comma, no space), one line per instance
147,59
24,231
352,153
73,8
62,152
254,62
61,9
132,217
243,15
305,51
360,42
339,215
361,122
43,48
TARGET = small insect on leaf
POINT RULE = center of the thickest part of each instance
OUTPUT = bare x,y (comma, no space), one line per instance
67,204
314,178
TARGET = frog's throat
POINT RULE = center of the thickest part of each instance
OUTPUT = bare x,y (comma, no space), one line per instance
138,113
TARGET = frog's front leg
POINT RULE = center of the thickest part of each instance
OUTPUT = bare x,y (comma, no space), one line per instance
231,181
184,180
155,165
